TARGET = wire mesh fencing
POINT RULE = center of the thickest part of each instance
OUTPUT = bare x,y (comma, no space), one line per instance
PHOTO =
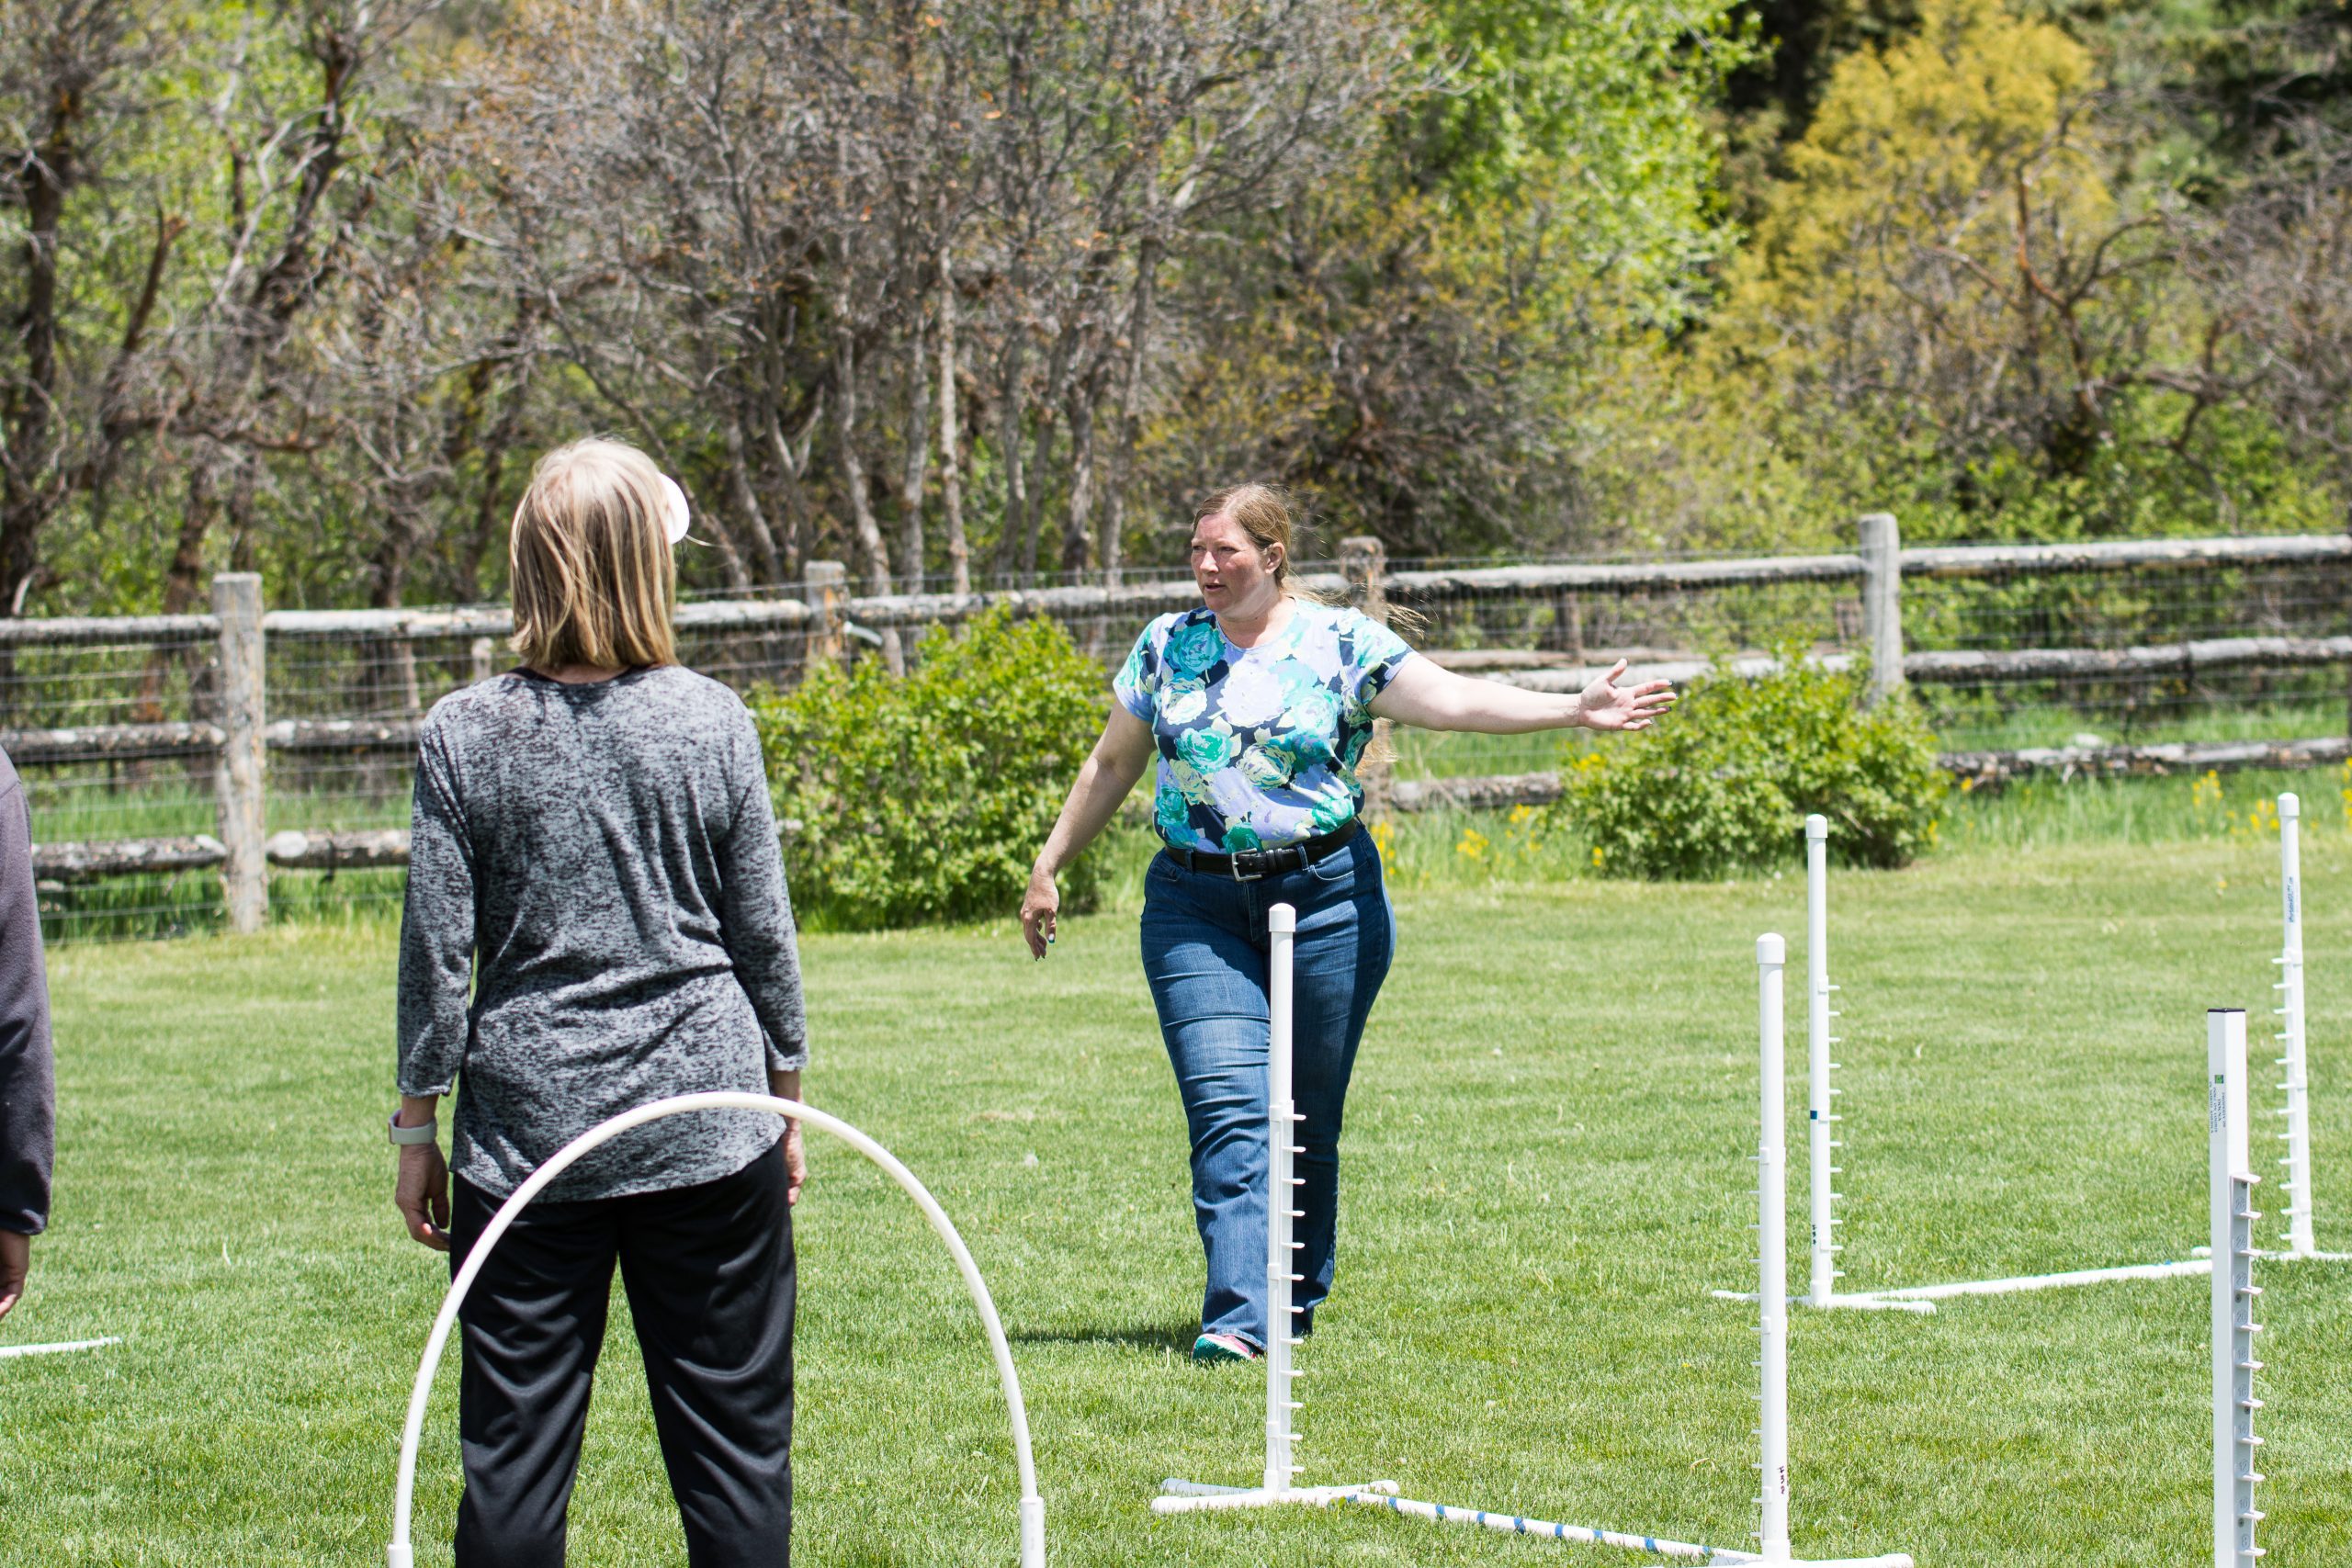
2211,653
2028,656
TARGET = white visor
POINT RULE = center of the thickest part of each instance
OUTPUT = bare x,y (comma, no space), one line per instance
675,514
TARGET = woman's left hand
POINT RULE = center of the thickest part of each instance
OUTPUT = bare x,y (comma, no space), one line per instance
795,1164
1604,705
420,1192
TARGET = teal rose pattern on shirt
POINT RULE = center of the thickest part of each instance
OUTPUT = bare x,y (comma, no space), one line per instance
1258,746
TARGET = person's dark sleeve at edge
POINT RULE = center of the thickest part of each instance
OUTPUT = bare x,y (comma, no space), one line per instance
27,1076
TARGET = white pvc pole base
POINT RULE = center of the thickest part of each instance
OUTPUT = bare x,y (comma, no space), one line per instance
2299,1247
1276,1490
59,1349
1771,1294
1200,1498
1851,1302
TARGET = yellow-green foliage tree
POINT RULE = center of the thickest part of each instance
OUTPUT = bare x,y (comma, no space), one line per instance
1957,303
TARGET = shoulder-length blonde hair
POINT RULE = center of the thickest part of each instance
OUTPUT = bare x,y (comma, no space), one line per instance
591,564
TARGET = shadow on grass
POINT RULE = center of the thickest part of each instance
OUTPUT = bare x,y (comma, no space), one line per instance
1177,1338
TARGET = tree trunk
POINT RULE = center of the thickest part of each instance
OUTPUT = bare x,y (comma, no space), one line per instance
487,513
951,474
791,468
911,477
1041,459
186,569
1077,532
875,554
1123,461
1016,492
746,500
27,454
184,579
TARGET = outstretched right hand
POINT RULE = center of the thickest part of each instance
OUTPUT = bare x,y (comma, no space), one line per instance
1039,906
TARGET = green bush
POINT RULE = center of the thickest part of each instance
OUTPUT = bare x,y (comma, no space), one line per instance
927,798
1723,785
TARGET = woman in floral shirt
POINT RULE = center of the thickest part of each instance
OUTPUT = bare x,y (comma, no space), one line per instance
1257,708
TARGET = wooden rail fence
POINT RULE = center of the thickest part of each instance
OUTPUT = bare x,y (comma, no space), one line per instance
828,620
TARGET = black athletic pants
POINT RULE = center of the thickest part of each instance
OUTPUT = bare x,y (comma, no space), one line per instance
709,1275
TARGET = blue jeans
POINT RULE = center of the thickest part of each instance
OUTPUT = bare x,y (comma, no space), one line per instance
1204,951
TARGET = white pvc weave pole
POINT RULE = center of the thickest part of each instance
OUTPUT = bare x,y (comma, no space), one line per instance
1282,1198
1032,1507
1276,1487
1820,1142
2234,1292
1772,1186
1772,1263
2299,1238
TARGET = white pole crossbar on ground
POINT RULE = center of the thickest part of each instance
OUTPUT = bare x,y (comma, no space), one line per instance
2235,1293
59,1349
1771,1296
1279,1485
399,1555
1922,1298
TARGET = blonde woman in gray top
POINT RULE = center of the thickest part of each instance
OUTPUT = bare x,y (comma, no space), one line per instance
596,918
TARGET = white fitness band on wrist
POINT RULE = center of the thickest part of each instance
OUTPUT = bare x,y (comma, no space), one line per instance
423,1132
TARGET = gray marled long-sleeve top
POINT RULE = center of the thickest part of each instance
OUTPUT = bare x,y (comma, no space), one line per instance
598,867
27,1076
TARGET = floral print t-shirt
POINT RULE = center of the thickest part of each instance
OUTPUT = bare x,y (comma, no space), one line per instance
1258,746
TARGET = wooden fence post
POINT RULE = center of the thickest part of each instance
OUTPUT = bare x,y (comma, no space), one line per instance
1364,562
823,586
1882,602
481,656
240,779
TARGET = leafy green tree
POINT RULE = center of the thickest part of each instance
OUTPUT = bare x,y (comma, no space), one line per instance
1418,343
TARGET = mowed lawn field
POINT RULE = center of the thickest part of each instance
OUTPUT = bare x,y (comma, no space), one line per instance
1547,1171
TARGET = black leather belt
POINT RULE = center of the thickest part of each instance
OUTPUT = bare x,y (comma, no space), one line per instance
1249,865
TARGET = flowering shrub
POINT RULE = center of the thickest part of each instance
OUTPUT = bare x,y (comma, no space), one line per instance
1723,785
927,798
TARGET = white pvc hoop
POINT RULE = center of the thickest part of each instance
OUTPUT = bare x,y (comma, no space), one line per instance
1032,1507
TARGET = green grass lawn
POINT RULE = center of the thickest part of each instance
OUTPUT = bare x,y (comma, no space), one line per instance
1547,1171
